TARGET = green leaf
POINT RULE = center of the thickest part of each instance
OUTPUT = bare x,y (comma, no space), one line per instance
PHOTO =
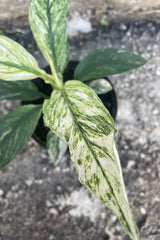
100,86
15,62
48,23
15,130
56,147
79,117
19,90
105,62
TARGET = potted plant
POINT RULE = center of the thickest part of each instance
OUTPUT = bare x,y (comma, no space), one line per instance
102,87
73,112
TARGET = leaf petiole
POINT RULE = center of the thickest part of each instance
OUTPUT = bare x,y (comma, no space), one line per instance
53,79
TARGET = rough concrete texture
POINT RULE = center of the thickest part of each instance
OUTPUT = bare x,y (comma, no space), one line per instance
117,4
39,201
10,9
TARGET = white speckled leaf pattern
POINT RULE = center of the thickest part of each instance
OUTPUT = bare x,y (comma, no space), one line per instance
56,147
78,116
15,62
100,86
48,23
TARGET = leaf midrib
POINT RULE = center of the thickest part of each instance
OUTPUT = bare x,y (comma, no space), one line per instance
50,35
26,69
90,149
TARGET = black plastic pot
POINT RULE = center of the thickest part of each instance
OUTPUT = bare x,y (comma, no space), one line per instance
109,100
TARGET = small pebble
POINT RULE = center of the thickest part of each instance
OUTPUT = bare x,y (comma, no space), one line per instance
57,169
103,215
143,210
1,192
39,181
53,211
143,140
66,170
59,189
123,26
51,237
48,203
140,181
131,164
142,194
14,187
155,111
113,218
156,199
44,169
142,155
29,182
128,33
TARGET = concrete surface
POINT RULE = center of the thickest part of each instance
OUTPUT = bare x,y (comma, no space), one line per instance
10,9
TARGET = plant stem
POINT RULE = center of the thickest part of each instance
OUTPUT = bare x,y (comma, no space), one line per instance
53,80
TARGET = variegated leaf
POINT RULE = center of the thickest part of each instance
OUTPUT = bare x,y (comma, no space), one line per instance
100,86
15,62
56,147
48,23
19,90
15,129
78,116
107,61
